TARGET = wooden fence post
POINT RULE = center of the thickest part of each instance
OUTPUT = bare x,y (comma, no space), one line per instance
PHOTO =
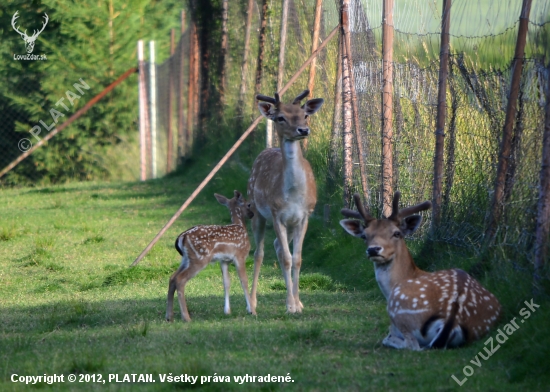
259,63
441,114
170,102
506,143
543,208
314,44
192,89
224,48
354,104
143,112
387,105
181,129
244,68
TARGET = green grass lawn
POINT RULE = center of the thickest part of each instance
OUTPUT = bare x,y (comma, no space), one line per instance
70,304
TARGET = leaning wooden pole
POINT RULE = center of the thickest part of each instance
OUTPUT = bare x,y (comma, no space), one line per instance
497,206
543,208
441,114
355,106
347,136
387,106
230,152
69,121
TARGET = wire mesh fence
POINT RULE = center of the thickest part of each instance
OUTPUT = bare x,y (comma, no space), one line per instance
482,43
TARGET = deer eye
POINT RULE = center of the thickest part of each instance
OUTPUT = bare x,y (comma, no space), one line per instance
280,119
397,234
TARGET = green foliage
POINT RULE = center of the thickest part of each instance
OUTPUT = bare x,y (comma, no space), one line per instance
85,42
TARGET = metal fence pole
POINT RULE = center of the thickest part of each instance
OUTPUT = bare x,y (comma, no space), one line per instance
153,98
143,112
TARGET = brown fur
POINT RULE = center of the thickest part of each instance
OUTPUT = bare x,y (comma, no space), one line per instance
200,245
421,303
282,188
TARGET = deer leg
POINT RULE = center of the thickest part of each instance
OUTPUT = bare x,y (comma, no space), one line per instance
283,254
170,299
258,228
181,280
241,270
172,288
226,285
400,339
299,234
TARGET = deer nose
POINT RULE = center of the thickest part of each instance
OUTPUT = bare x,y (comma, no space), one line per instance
374,250
303,131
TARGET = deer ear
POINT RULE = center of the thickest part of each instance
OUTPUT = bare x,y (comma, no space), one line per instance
313,105
410,224
238,196
267,109
353,227
221,199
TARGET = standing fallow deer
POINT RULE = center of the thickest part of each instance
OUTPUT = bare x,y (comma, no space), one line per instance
427,309
201,245
282,189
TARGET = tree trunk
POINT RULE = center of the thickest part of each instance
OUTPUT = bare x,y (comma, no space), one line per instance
387,105
347,136
497,204
261,48
223,54
441,114
244,68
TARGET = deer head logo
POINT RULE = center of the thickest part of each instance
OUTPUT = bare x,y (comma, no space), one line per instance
29,41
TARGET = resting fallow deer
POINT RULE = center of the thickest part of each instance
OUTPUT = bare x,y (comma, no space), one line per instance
427,309
282,189
201,245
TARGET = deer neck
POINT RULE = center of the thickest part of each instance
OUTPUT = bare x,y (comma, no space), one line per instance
401,268
237,219
294,176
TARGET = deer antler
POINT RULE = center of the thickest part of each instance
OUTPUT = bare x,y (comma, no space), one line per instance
397,215
43,26
361,213
15,17
301,96
275,101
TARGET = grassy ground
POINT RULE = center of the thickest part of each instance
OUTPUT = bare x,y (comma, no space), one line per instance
70,304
